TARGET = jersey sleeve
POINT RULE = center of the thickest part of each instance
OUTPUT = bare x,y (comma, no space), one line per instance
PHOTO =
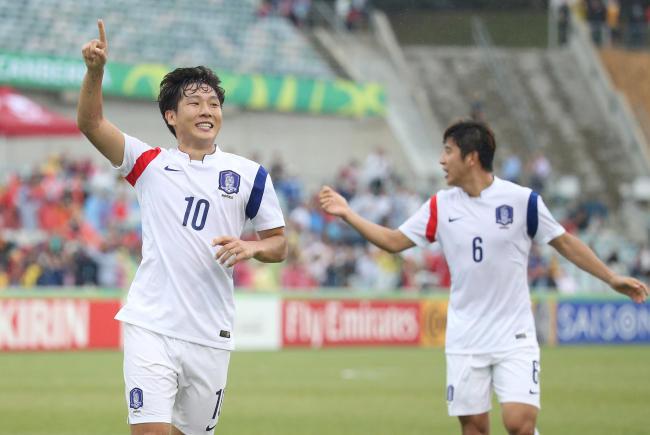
137,156
547,228
263,208
422,226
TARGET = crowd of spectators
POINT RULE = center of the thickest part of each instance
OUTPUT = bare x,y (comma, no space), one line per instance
295,10
72,223
609,22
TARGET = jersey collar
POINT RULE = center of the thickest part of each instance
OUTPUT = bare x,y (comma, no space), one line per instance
208,158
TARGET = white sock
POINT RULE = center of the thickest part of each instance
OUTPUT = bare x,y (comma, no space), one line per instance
536,431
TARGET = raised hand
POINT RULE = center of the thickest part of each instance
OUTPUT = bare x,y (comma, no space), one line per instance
95,52
333,203
632,287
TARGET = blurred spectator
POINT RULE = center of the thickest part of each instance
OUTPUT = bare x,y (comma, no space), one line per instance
378,167
477,105
348,179
641,269
511,167
613,20
637,25
563,23
539,169
596,15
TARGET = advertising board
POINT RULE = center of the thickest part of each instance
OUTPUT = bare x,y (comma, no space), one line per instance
350,323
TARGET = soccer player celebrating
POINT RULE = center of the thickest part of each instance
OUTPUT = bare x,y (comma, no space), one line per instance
486,226
195,201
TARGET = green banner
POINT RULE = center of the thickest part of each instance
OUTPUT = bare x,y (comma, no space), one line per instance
253,91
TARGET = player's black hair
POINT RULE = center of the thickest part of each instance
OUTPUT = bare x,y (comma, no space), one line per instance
183,82
470,135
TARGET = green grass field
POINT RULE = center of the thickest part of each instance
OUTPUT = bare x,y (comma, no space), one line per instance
604,390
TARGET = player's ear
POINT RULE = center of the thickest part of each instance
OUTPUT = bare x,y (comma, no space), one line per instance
170,116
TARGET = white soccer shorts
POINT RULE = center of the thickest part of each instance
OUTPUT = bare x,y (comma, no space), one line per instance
513,374
173,381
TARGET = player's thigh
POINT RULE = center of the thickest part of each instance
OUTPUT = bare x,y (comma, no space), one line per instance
516,376
469,389
151,379
202,387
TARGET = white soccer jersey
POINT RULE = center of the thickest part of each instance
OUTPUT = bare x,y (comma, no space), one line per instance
486,241
180,290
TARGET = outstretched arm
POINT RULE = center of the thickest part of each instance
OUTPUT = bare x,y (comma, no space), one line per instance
271,248
90,119
385,238
574,250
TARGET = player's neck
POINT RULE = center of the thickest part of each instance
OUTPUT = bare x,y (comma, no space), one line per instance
196,151
478,182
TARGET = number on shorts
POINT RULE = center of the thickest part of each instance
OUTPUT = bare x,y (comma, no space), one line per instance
536,372
217,409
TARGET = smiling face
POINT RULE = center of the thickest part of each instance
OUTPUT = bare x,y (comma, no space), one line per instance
197,120
457,168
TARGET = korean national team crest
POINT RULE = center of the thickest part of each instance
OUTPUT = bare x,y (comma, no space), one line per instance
136,398
504,215
229,182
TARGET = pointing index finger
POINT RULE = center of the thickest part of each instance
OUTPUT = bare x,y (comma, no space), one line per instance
102,31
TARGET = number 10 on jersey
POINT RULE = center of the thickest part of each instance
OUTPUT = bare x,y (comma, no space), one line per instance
201,204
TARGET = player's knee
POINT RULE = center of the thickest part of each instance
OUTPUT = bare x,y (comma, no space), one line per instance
474,426
522,428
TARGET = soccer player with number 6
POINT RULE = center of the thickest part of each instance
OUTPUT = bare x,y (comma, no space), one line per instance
486,226
195,201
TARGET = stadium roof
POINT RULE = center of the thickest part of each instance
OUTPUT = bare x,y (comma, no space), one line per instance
20,116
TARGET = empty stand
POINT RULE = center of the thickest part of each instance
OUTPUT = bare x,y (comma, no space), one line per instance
569,125
224,34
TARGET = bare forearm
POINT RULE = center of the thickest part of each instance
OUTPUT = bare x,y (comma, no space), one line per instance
271,250
574,250
379,236
89,111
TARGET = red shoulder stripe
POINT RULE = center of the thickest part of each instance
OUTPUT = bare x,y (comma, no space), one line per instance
432,226
141,164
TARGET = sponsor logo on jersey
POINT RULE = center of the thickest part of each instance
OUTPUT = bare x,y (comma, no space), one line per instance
504,215
224,334
229,182
450,393
518,336
136,398
167,168
455,219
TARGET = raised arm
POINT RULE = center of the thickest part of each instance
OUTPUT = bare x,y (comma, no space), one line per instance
385,238
574,250
90,119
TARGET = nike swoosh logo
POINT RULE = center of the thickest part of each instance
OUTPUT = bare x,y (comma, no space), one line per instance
533,392
167,168
455,219
208,429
